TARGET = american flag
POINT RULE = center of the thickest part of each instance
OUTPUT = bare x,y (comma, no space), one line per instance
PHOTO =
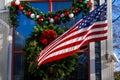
91,28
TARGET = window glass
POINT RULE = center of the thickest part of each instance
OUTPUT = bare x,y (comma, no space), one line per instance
98,61
81,69
26,25
18,66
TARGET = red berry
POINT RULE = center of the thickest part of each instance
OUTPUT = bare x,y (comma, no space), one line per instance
49,18
80,1
73,7
28,13
66,13
44,41
56,18
13,3
58,14
40,19
20,8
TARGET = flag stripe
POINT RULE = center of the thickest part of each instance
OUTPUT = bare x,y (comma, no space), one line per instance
61,56
67,34
77,31
84,41
70,53
74,35
44,60
73,41
56,42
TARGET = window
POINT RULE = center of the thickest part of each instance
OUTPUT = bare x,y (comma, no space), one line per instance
26,26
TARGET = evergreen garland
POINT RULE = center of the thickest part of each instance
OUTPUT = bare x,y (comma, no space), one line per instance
50,17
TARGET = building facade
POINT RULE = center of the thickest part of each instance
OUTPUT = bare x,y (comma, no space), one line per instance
101,67
99,58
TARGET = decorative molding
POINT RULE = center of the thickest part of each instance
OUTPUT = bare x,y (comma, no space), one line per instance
4,23
3,11
82,51
92,61
19,52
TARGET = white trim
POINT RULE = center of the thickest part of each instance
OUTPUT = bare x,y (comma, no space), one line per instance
110,37
4,23
9,48
101,1
7,3
3,11
106,47
10,56
92,61
104,62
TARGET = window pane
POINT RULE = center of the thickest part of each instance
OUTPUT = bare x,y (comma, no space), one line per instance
26,25
18,66
98,61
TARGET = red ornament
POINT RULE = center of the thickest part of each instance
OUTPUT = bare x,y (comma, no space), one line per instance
67,13
40,19
49,18
80,1
28,13
73,7
13,3
20,8
47,36
56,18
79,9
89,4
44,41
59,14
76,11
54,36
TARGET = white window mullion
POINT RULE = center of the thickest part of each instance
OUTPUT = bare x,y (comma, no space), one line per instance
92,61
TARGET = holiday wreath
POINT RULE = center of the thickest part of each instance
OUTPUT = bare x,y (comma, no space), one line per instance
43,34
